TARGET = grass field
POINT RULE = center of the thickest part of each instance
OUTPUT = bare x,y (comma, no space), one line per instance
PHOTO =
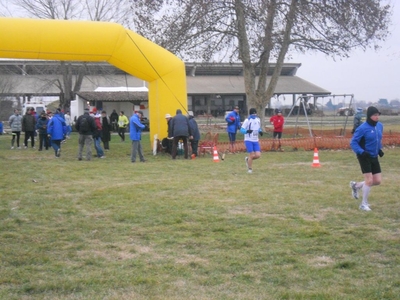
195,229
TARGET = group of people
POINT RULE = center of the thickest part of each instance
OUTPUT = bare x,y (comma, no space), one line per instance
95,127
52,129
234,124
181,129
251,128
366,143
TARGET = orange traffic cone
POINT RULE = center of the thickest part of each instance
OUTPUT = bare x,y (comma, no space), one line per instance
316,163
216,157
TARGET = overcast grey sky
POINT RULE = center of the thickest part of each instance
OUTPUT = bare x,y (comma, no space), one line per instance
369,75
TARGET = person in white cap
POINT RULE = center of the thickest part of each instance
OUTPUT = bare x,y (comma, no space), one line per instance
166,143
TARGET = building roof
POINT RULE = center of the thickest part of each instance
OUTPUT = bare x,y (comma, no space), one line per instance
202,78
234,69
235,85
114,96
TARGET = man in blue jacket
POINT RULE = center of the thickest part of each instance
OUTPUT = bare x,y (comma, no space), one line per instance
367,144
233,124
56,129
135,134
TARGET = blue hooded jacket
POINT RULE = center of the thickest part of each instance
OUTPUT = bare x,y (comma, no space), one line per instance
233,126
135,128
368,138
56,127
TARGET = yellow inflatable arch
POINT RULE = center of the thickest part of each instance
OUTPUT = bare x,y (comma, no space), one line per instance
101,41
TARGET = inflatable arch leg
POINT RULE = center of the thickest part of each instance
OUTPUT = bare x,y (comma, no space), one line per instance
101,41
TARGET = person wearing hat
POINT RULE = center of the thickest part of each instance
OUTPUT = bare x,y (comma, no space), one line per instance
41,126
251,128
135,135
166,143
233,124
277,121
367,144
359,118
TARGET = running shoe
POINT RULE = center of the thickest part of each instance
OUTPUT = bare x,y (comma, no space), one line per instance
354,190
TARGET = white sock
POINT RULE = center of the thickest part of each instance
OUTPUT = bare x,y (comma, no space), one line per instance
359,185
365,190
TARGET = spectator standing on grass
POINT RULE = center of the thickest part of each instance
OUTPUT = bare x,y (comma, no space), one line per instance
56,130
233,124
277,121
15,122
114,120
68,122
86,126
367,144
251,128
359,118
29,126
41,126
167,142
194,128
135,134
180,131
122,124
106,131
97,135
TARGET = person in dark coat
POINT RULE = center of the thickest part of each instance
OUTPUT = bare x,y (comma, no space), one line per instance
106,134
114,120
180,131
86,129
194,142
29,126
41,126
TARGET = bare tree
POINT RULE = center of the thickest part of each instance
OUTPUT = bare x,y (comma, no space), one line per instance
259,32
94,10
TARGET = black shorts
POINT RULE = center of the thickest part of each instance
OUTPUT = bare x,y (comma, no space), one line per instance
277,134
369,164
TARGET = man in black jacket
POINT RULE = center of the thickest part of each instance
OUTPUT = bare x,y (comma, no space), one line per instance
29,126
180,131
86,127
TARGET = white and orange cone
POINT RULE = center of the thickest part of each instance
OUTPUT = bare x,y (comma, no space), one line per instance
215,157
316,163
